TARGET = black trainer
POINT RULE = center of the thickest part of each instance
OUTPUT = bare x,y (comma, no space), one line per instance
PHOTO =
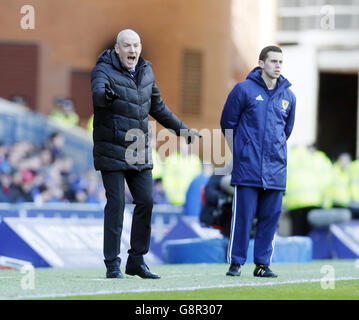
234,270
262,270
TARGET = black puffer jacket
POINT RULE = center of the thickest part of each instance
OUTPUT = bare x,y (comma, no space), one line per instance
121,128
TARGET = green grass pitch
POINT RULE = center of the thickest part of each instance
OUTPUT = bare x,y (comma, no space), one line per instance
320,279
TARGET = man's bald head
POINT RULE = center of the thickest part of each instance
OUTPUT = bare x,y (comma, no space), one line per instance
128,47
127,33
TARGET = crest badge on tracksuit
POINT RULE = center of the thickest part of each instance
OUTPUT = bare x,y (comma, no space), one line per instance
285,104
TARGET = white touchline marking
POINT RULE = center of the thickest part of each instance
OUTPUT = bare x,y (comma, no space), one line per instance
91,279
167,277
218,286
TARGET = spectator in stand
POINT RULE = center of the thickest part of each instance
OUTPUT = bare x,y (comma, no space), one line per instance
64,112
4,163
340,185
180,168
55,144
354,188
308,181
43,195
20,100
216,209
23,187
92,194
89,125
159,194
192,205
6,188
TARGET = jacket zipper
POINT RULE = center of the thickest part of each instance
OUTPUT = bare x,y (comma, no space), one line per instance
264,132
138,92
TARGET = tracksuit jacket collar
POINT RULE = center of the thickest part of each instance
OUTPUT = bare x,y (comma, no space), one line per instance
255,76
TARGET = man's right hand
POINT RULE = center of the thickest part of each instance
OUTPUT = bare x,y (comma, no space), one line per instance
110,95
190,135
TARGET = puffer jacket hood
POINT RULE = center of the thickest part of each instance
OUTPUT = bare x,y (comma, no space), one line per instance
106,57
110,56
260,122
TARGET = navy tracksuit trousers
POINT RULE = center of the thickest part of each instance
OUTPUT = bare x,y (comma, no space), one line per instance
248,203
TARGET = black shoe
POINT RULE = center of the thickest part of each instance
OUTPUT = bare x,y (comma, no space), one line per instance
141,271
114,274
262,270
113,269
234,270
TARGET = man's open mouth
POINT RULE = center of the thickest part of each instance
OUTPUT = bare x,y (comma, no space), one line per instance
131,58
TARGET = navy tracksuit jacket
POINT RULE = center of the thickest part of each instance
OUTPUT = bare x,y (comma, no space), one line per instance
262,121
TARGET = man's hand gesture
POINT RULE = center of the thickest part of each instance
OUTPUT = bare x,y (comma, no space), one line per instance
190,135
110,95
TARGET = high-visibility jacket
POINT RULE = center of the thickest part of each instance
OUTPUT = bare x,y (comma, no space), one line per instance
322,167
354,180
71,119
89,125
340,186
304,187
158,165
179,171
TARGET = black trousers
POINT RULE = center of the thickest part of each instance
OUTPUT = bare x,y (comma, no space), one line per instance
140,185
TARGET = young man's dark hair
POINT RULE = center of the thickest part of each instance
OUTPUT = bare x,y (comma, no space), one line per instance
264,53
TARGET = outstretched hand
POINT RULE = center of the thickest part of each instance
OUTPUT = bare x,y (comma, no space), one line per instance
190,136
110,94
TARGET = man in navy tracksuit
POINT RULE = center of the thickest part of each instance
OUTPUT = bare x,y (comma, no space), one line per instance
260,111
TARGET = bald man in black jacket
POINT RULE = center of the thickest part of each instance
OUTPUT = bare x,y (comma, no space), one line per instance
124,94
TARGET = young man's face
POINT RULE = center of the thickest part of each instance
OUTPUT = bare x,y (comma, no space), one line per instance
129,50
272,66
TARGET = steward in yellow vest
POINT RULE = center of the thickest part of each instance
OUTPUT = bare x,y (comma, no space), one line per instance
308,181
340,186
65,113
179,171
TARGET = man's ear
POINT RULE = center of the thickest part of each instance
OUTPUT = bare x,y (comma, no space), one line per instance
117,49
261,63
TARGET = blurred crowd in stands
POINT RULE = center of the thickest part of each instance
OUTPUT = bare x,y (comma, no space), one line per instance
41,174
31,173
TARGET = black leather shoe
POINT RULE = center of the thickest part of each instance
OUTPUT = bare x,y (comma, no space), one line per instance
113,269
234,270
115,273
142,271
